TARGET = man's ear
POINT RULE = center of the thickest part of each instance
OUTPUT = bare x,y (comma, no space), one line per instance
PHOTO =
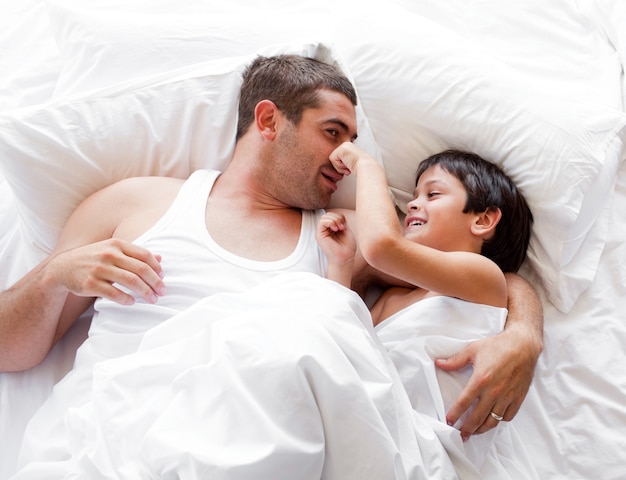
266,117
484,224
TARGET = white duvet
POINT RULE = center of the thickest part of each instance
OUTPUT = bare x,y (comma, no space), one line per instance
439,327
285,381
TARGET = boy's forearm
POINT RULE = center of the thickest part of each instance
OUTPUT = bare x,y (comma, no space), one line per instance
340,273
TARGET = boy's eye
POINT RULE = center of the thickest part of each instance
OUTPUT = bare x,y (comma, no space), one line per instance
432,194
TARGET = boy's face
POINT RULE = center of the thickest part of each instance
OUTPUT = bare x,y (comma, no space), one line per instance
435,216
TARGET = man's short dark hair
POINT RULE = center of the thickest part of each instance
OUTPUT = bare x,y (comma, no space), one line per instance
292,82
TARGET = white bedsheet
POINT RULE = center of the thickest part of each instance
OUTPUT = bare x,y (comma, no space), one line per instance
439,327
285,381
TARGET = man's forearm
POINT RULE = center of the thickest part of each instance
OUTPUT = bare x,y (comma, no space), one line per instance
29,313
525,312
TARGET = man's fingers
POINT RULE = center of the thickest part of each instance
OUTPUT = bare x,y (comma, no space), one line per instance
456,361
498,384
513,408
110,292
475,401
480,419
469,393
139,277
144,256
462,405
503,407
493,418
114,269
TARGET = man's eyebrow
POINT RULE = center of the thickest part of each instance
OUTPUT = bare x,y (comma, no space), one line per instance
342,125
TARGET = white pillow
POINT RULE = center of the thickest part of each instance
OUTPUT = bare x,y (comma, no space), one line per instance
109,41
562,51
423,88
55,155
12,264
434,90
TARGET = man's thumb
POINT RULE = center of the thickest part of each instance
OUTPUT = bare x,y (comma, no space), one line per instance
455,362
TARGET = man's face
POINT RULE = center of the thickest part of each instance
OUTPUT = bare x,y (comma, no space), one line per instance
303,176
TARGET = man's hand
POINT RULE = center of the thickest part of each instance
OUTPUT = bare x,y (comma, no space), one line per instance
92,270
503,371
503,364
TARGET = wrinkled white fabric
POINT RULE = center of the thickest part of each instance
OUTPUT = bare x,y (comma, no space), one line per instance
439,327
285,381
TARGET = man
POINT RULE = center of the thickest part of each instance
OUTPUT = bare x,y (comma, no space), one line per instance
130,246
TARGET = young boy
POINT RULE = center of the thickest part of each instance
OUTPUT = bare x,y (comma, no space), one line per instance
466,225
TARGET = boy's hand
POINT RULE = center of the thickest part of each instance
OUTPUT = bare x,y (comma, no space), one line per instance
335,238
346,156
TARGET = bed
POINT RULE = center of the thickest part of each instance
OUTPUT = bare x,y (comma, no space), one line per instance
95,91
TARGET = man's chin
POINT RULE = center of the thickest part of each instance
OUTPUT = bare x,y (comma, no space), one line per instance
320,204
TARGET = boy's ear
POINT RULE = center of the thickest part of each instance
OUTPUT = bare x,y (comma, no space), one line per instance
484,224
266,116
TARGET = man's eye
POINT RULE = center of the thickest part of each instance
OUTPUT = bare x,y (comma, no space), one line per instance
333,132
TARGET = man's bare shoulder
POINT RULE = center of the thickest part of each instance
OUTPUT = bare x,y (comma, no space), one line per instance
123,209
137,191
143,200
144,184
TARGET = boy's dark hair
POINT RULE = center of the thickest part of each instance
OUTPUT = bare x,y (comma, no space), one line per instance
488,188
292,82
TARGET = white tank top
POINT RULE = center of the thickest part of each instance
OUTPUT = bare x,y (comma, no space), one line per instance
195,266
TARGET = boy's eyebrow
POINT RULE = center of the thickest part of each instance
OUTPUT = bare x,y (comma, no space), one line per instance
429,183
435,180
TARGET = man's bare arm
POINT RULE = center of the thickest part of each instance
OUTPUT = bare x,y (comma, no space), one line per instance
30,317
39,309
